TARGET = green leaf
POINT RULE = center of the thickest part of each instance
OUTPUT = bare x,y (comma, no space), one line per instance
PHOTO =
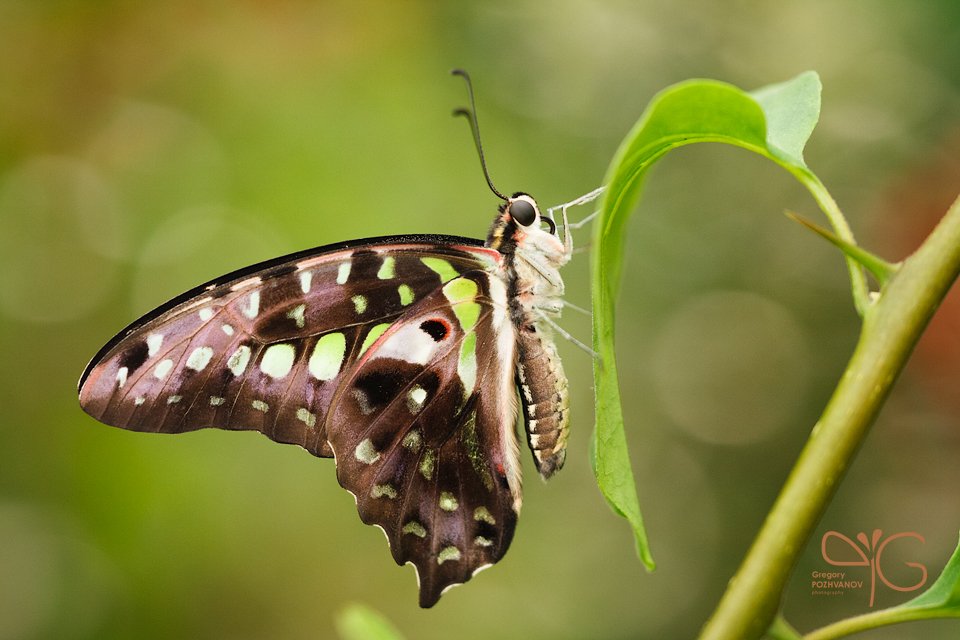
774,122
360,622
792,109
944,593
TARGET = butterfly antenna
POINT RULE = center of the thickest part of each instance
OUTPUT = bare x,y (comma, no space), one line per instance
471,116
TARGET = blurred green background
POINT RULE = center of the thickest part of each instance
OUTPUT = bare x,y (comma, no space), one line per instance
146,147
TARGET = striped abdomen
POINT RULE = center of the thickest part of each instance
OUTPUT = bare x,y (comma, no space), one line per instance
544,398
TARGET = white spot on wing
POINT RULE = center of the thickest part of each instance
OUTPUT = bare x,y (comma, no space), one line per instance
163,368
237,363
343,272
304,416
200,358
122,377
413,440
366,453
306,279
253,305
415,398
410,344
298,315
467,364
154,340
260,405
227,329
205,314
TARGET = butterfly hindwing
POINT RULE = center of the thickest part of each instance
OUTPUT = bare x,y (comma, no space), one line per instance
396,356
434,463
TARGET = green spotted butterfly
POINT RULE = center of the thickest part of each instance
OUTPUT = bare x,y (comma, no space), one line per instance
401,357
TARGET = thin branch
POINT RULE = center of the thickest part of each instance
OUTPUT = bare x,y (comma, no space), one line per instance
891,328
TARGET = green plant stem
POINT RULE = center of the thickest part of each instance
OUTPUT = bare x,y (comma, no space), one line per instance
861,299
782,630
892,325
867,621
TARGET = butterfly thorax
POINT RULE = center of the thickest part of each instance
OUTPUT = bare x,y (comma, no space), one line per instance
532,259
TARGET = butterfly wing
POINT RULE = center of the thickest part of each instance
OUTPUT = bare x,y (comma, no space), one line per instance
424,438
395,355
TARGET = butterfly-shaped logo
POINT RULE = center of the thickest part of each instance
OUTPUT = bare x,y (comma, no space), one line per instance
400,357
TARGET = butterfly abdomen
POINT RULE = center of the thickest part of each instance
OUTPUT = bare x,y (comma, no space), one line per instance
544,398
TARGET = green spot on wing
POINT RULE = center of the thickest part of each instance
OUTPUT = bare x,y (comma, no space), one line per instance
327,357
359,303
461,293
441,267
448,553
460,290
372,336
483,514
386,269
406,294
412,440
427,462
467,314
475,452
383,491
448,502
467,365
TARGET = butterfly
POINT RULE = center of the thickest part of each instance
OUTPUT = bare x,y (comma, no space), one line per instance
406,359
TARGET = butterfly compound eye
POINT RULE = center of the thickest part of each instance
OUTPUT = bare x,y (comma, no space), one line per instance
523,212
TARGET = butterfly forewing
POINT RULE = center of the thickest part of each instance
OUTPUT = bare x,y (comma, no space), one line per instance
397,357
226,342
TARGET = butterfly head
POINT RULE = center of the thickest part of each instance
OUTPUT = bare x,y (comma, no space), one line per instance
521,225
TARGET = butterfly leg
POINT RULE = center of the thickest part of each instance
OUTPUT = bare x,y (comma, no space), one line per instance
576,308
567,225
566,334
584,199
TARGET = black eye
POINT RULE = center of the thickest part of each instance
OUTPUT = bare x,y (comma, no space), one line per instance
523,212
